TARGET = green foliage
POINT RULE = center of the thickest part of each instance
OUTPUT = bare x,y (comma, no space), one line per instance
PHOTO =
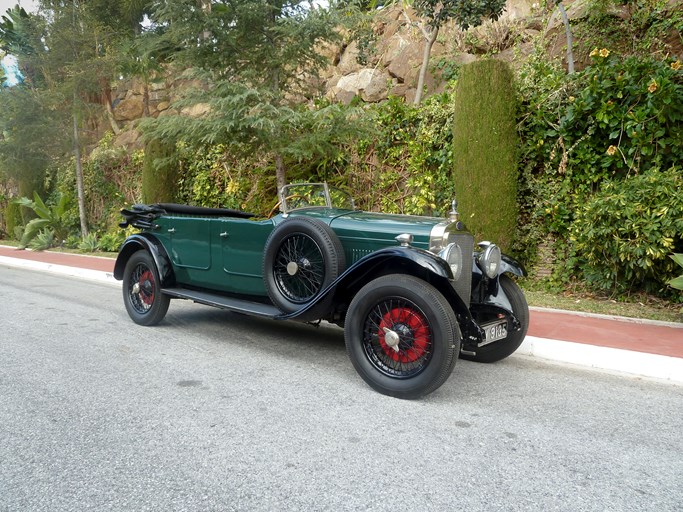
29,138
112,240
216,178
624,233
42,240
405,165
12,217
677,282
159,173
641,27
619,117
88,243
484,148
466,13
50,218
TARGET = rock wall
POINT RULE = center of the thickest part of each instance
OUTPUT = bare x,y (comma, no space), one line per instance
392,67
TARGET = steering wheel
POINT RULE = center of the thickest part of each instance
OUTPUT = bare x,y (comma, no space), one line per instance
293,196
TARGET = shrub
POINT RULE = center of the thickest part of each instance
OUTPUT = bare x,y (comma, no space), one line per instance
624,234
51,218
12,218
159,173
405,165
484,150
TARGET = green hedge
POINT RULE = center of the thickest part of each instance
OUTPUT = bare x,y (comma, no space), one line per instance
623,236
484,150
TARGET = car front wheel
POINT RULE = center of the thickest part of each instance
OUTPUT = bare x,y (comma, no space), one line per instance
503,348
145,303
402,336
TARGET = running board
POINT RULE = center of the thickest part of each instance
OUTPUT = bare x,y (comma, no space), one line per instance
223,302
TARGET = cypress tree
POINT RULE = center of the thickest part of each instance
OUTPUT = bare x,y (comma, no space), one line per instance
159,173
485,150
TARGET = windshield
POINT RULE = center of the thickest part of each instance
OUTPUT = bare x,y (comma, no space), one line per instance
308,195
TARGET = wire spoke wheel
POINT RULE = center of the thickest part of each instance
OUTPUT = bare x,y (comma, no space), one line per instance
402,336
299,268
301,258
141,288
397,338
142,296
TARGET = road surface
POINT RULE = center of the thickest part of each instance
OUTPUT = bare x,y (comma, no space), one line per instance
212,410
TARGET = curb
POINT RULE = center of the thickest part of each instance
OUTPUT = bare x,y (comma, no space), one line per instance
81,273
624,362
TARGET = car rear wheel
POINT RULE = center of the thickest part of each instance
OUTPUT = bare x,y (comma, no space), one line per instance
302,257
503,348
402,336
145,303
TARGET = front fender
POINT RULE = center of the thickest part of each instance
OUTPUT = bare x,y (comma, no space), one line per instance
146,242
512,266
392,260
487,291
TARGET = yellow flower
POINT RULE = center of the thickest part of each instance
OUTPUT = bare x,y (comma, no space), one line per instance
611,150
604,52
676,65
571,99
653,86
594,52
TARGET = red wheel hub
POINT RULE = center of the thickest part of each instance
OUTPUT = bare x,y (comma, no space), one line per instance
146,283
413,331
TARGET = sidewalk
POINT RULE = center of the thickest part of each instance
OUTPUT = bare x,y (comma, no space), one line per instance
637,347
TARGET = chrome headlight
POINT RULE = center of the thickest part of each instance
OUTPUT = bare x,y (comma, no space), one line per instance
489,259
452,254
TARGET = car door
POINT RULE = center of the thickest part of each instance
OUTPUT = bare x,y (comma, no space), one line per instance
241,251
189,240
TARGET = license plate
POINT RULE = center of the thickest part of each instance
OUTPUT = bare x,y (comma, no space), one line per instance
494,332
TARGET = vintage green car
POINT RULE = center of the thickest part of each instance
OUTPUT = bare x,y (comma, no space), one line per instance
412,293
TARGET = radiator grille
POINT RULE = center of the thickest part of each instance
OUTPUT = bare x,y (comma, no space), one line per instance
463,286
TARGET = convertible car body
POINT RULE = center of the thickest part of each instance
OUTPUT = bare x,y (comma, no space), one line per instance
412,293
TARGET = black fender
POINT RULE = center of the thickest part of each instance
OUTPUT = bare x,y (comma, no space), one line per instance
512,266
489,300
405,260
151,244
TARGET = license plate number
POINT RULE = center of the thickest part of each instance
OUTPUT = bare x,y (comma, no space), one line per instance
494,332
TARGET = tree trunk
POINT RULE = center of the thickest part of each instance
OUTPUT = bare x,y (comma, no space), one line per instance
145,99
79,178
112,120
280,171
570,39
429,42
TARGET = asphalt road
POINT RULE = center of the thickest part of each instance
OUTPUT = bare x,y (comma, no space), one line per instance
216,411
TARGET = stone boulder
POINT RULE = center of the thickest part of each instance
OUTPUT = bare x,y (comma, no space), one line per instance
129,109
370,84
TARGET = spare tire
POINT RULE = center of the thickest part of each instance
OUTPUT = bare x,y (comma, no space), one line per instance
302,257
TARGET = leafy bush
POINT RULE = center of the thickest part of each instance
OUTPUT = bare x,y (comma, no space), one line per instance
624,234
88,243
12,217
51,218
42,240
617,118
678,281
484,148
159,173
405,166
111,241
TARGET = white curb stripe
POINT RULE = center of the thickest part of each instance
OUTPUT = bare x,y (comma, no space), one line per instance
83,273
605,358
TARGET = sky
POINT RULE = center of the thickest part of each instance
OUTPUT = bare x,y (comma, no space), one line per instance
29,5
9,63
